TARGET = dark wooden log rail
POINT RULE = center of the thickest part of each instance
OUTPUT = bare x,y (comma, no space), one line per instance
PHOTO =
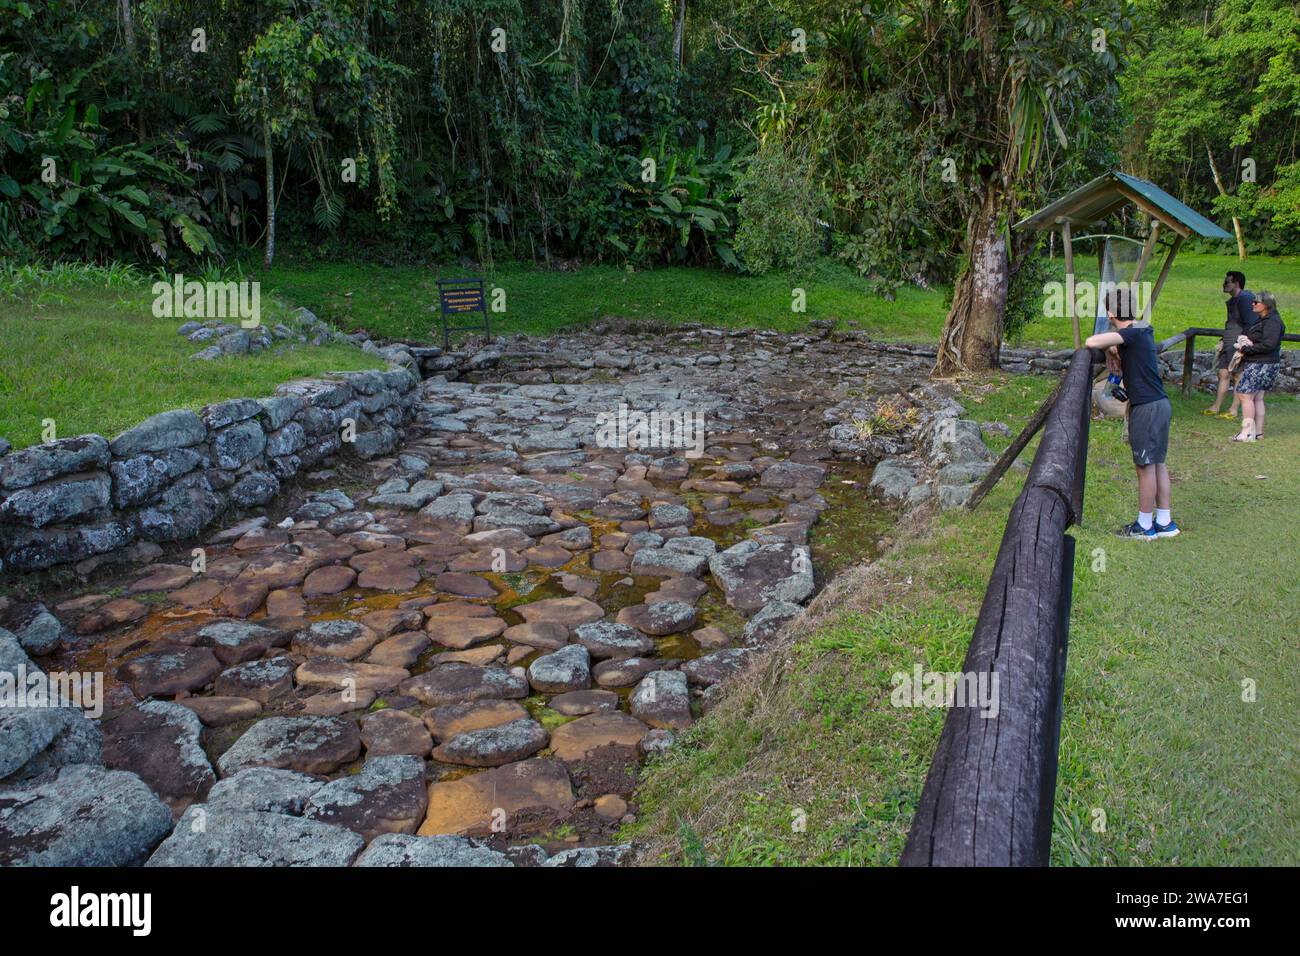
988,798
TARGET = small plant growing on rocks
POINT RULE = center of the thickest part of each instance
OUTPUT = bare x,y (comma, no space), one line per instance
889,418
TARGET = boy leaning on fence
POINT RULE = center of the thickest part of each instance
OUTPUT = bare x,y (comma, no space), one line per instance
1149,413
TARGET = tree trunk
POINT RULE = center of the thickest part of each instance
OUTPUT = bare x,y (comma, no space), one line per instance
270,192
972,332
128,26
1236,223
679,31
128,33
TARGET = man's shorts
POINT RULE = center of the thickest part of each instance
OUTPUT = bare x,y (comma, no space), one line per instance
1223,355
1148,431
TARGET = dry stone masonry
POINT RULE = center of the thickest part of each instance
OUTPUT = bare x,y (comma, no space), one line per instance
173,475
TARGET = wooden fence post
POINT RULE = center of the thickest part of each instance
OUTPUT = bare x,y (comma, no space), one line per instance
1012,451
1189,359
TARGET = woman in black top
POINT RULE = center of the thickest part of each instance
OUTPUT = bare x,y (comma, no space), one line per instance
1261,353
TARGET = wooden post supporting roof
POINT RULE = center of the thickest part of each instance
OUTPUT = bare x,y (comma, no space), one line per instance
1068,245
1160,282
1147,249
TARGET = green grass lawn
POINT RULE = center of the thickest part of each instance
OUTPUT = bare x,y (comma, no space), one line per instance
86,351
1156,735
396,301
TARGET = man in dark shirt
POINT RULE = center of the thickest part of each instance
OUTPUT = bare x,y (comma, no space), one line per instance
1149,414
1240,318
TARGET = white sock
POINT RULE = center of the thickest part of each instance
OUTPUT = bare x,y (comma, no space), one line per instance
1162,516
1144,520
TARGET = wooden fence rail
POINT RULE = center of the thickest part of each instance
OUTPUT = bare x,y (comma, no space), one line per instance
989,795
1189,350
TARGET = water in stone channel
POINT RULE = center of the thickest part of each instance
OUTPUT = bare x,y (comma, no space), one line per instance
521,699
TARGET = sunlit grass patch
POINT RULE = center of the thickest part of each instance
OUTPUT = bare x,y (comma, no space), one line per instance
80,345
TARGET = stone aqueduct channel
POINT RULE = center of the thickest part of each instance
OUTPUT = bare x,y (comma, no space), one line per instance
462,652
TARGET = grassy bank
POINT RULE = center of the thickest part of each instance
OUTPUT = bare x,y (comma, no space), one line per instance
808,763
81,346
396,301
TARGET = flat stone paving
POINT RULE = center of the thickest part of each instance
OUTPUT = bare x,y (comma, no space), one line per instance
486,632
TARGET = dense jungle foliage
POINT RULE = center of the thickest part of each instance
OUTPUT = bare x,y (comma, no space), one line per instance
744,133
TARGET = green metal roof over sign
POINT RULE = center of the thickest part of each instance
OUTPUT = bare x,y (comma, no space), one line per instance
1092,203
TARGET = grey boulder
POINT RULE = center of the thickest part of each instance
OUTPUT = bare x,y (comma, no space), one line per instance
764,625
662,699
34,740
956,441
567,669
753,575
83,816
38,631
305,744
388,795
208,837
174,429
892,480
58,500
396,849
66,456
264,790
159,742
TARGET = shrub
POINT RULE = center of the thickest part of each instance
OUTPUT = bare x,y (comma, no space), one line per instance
779,203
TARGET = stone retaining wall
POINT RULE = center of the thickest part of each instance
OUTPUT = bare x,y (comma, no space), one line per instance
1046,362
174,474
1171,366
530,361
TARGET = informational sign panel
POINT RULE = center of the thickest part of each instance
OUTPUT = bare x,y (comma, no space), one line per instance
458,297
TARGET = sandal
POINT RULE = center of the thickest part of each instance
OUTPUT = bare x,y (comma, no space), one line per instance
1243,437
1209,411
1228,416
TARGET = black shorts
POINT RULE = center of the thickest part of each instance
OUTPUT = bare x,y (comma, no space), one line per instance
1148,431
1227,345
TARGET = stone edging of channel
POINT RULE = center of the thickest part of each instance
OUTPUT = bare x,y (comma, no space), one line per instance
74,500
